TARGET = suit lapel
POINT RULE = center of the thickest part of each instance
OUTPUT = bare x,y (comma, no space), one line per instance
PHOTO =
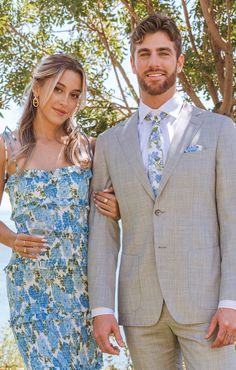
186,126
127,134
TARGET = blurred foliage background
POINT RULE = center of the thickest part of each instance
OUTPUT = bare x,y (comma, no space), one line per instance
97,32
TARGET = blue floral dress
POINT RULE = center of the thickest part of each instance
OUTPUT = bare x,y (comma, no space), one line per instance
48,297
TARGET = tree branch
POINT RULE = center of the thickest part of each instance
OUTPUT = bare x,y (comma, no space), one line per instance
189,90
149,6
210,84
226,106
189,28
131,11
219,64
125,77
25,38
228,88
103,39
212,89
212,27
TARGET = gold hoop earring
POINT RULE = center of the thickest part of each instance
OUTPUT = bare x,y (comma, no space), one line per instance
35,102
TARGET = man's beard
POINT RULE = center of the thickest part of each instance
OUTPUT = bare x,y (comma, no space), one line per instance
159,88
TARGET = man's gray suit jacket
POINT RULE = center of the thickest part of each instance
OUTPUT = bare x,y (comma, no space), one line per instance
179,247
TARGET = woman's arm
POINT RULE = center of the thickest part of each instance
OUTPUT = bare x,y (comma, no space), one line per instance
7,236
26,245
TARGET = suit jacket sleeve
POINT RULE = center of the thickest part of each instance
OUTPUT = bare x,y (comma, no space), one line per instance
226,207
104,239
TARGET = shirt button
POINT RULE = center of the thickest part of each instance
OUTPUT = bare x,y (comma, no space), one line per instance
158,212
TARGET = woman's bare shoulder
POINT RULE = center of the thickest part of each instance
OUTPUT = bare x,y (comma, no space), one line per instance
2,146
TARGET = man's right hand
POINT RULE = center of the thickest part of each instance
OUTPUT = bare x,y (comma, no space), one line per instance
103,327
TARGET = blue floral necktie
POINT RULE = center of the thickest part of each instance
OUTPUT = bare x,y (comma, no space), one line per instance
155,151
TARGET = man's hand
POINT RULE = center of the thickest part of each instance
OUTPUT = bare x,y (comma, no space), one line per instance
225,319
103,327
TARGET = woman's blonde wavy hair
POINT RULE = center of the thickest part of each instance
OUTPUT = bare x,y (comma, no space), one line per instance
77,150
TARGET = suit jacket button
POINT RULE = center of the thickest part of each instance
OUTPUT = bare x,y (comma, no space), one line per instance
158,212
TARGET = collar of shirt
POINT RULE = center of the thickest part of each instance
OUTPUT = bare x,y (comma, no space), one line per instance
172,107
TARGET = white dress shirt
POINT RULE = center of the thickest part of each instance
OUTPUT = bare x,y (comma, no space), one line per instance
172,107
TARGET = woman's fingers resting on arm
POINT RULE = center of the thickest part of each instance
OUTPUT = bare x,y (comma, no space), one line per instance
106,203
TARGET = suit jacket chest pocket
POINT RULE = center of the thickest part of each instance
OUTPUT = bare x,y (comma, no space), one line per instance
197,164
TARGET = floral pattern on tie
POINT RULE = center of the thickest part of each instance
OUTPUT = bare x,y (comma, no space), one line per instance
155,151
48,297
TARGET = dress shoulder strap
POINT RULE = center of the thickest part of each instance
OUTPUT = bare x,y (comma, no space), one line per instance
8,139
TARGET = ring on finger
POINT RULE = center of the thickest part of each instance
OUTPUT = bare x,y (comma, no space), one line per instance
105,200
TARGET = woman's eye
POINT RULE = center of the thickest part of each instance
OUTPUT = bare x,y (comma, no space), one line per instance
75,96
58,89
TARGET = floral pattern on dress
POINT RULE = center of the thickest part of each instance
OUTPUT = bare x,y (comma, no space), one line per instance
48,297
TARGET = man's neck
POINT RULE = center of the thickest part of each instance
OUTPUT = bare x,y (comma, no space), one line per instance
156,101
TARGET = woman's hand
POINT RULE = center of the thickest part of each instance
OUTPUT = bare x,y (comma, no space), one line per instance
29,246
106,203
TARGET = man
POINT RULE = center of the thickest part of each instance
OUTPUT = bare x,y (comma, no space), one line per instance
173,169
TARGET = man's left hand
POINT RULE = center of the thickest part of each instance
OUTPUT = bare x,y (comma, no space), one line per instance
225,320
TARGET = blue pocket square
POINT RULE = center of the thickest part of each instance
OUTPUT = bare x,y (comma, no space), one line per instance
193,149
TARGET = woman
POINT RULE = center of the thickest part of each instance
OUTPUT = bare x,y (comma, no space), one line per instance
45,167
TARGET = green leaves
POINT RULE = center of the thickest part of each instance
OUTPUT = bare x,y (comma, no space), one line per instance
9,355
97,32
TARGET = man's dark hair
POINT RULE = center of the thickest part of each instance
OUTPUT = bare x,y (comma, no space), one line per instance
154,23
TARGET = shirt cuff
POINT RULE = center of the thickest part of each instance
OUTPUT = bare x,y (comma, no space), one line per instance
227,304
102,311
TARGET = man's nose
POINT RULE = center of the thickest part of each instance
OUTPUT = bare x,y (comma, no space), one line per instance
154,60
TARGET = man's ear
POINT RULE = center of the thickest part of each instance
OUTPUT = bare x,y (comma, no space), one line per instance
132,62
180,63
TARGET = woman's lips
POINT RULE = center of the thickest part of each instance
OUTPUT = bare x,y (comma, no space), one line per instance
60,111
